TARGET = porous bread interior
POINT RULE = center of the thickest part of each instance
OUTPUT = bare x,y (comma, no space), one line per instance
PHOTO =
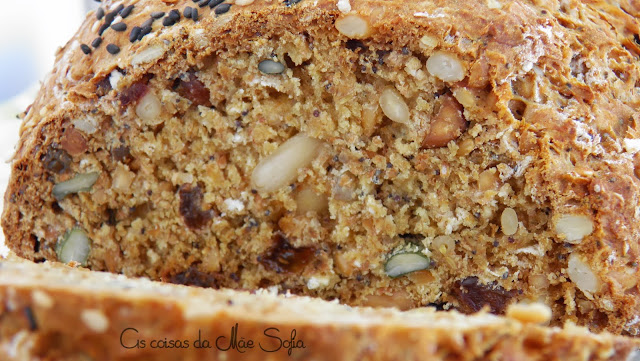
401,194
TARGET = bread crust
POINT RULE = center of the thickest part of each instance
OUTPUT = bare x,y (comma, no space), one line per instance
575,150
80,314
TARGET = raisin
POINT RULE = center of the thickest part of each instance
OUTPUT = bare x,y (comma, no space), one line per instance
103,87
73,142
56,160
194,277
122,154
133,93
473,296
283,257
193,89
190,207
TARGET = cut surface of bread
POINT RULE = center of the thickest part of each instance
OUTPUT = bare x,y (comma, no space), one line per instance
383,153
55,312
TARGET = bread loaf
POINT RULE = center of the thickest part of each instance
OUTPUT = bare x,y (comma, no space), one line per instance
383,153
54,312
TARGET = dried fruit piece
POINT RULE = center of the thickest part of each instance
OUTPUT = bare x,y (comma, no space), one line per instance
574,227
74,246
190,207
192,88
283,257
281,167
269,66
445,66
133,93
353,26
509,221
402,263
448,124
394,106
79,183
56,160
473,296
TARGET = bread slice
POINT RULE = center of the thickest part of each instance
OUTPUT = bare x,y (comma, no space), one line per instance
398,153
55,312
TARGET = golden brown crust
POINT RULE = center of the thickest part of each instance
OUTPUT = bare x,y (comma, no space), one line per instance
549,91
58,313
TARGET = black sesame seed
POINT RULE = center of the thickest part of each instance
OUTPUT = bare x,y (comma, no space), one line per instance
126,11
204,3
113,49
118,9
85,49
96,42
108,19
187,12
194,14
214,3
168,22
103,27
146,30
174,15
119,26
157,14
99,13
135,33
147,23
222,8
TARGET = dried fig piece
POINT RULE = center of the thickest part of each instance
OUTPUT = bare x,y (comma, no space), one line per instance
191,207
133,93
56,160
473,296
192,88
284,258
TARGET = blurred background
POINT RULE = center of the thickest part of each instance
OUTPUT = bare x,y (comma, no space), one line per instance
30,33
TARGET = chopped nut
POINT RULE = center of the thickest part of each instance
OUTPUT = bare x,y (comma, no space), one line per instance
399,299
582,275
149,108
509,221
95,320
344,189
271,67
394,106
403,263
147,55
309,201
122,179
529,313
466,147
79,183
74,246
447,125
353,26
281,167
445,66
443,244
488,180
73,142
574,227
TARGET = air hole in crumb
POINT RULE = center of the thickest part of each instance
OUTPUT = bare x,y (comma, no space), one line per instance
517,108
